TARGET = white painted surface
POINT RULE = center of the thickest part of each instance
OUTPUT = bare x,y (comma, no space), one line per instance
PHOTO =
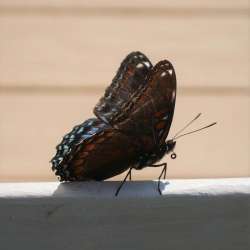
188,187
192,214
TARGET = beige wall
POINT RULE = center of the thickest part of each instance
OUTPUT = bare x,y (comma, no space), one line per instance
56,58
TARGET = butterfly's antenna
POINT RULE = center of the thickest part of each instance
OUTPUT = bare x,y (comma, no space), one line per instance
210,125
196,117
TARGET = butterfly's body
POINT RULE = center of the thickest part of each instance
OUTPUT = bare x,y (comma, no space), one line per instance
153,157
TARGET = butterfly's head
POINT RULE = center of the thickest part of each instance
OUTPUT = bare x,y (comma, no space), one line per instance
170,146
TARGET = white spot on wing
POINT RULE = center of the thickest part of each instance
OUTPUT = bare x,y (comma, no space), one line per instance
163,74
170,71
165,117
139,66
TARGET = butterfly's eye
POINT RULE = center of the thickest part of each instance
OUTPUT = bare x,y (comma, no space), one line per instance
173,156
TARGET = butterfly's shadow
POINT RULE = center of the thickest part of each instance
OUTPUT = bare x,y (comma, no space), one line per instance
108,188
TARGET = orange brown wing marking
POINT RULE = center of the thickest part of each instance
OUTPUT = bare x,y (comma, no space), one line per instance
89,147
159,114
85,150
160,125
110,157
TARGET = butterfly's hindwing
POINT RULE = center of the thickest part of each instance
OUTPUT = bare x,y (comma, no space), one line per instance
109,154
66,150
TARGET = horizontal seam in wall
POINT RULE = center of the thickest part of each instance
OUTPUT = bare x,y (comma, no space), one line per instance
79,90
122,11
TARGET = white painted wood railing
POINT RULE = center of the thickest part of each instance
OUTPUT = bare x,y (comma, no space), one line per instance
191,214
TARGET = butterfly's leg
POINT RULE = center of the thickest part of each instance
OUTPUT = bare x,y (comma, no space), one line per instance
163,173
130,175
122,183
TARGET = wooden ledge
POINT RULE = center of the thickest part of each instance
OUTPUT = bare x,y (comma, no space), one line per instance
170,188
192,214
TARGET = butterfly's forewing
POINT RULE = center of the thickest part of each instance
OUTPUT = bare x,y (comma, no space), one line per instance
128,82
152,115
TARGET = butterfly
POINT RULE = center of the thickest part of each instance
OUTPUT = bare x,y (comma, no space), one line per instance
130,131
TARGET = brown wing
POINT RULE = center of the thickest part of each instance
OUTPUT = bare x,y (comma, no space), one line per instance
119,96
152,115
93,150
66,151
107,154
